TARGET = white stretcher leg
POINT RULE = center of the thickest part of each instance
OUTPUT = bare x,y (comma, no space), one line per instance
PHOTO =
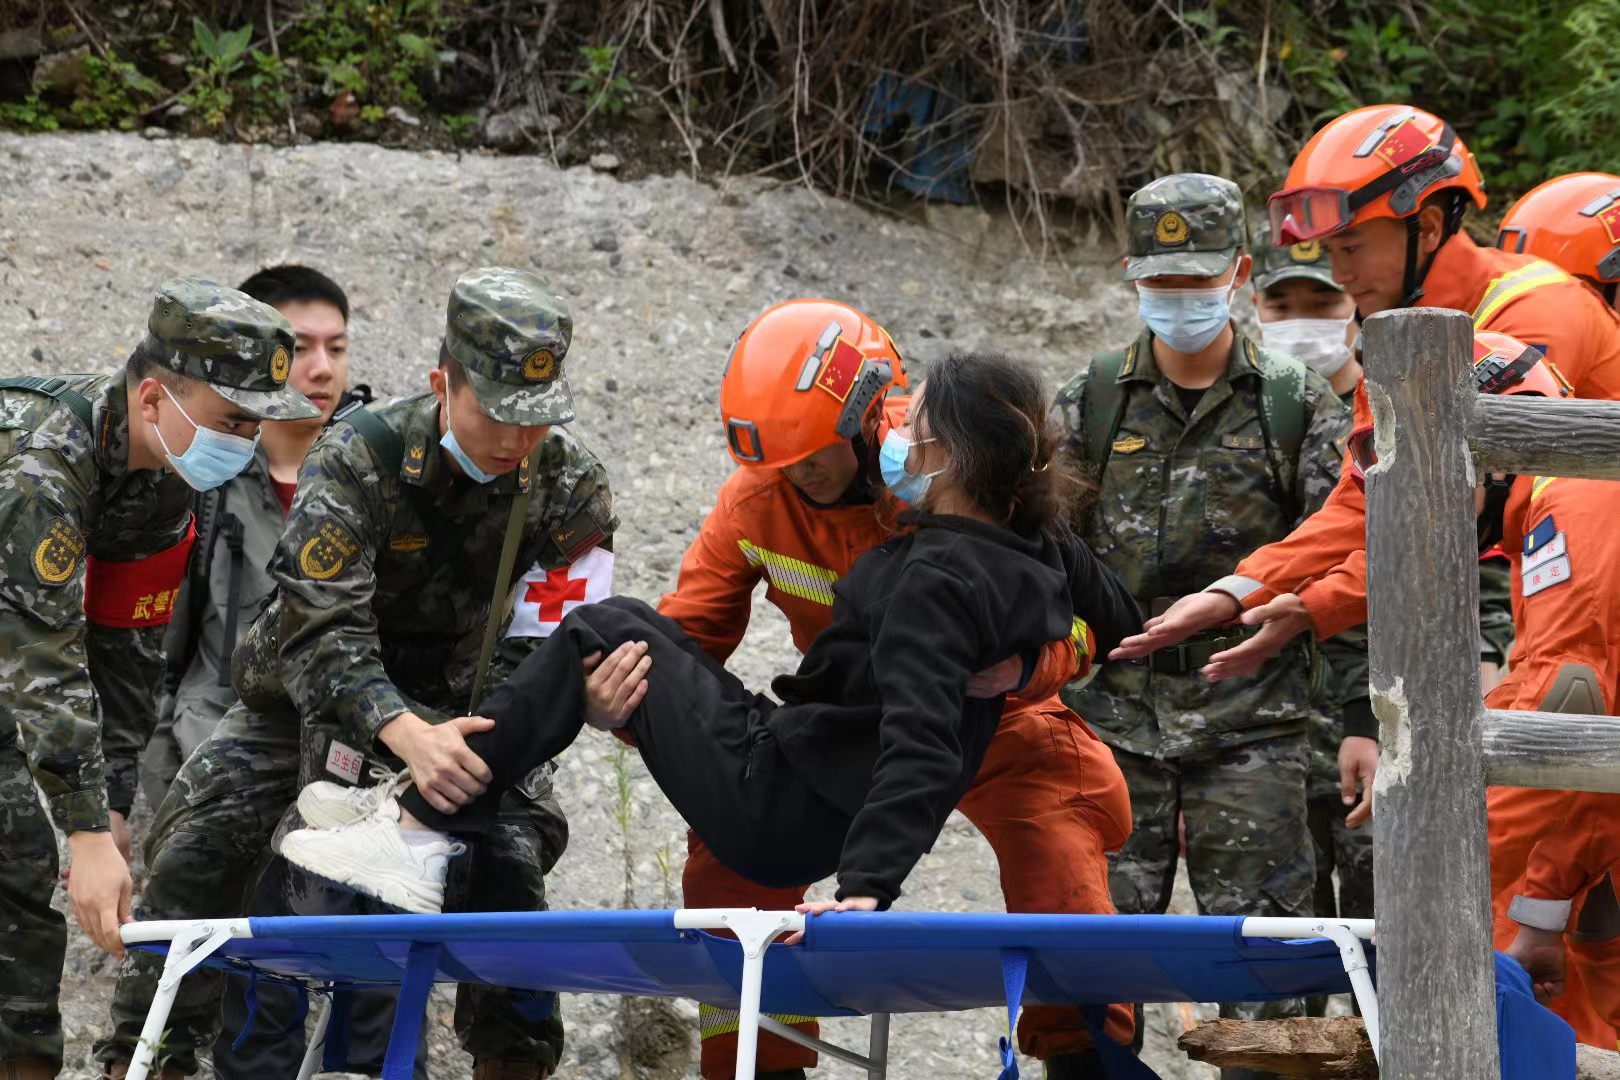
755,930
317,1044
1347,934
189,947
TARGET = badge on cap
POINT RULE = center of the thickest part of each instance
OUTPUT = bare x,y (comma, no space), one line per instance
540,366
1306,251
280,364
1171,228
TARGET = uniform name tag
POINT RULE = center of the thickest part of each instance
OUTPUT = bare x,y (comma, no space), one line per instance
1546,553
344,762
1545,576
1243,442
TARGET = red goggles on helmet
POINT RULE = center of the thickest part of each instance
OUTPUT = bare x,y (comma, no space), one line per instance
1314,211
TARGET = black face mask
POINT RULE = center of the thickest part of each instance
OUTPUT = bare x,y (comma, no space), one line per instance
1488,525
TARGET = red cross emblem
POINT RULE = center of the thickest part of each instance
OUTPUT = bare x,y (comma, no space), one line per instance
551,594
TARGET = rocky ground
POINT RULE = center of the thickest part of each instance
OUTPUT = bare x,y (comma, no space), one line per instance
661,274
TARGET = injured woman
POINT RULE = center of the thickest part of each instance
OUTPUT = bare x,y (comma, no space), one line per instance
874,740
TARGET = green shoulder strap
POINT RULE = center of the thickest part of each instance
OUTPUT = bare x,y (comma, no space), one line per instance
1282,418
57,388
390,453
1103,409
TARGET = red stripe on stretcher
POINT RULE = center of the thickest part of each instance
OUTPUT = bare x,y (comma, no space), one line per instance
141,592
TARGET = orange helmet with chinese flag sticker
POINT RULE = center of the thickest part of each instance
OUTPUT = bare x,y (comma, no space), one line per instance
1380,161
1573,222
1502,365
805,375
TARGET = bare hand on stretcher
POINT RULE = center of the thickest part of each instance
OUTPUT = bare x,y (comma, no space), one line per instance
816,907
614,687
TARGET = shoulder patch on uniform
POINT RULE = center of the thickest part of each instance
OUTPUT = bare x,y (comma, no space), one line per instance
58,552
578,534
1540,536
324,555
415,459
1129,444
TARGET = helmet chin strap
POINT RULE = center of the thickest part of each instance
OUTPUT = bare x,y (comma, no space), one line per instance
1489,524
1413,278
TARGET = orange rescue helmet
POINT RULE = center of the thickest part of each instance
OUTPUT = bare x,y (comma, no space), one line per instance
1502,365
1572,221
1380,161
804,375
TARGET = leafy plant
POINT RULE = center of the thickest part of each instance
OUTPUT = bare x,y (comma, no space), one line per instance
269,84
29,114
218,57
378,49
113,94
605,89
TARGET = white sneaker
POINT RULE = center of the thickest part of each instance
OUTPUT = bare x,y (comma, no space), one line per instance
328,805
374,858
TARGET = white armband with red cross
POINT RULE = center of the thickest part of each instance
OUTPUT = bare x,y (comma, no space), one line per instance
545,596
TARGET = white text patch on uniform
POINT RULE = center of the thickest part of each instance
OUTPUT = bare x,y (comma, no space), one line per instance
1545,575
545,596
1545,554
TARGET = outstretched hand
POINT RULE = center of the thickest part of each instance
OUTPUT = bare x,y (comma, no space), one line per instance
1280,621
614,687
1183,619
1358,767
816,907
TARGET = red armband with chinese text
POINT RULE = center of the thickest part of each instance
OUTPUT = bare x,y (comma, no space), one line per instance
140,592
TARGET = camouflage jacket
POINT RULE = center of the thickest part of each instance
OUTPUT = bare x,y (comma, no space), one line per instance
1181,500
65,493
380,610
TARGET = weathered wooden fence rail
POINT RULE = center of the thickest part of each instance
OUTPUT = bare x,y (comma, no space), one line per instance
1441,746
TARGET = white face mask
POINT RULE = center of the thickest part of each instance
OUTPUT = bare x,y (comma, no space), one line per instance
1318,343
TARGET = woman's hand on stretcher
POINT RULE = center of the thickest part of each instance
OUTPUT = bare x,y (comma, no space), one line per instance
443,767
816,907
614,687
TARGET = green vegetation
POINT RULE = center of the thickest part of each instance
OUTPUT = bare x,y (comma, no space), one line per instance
605,90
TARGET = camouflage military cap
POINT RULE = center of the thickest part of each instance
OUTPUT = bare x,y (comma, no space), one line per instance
1302,260
1189,223
241,348
511,333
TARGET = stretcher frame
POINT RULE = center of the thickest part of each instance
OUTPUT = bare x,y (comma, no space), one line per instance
191,942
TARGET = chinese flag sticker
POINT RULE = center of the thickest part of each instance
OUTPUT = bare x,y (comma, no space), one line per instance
1403,144
838,372
1610,216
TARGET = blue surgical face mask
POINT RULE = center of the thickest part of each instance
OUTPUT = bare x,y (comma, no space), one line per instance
213,458
1187,320
909,487
453,448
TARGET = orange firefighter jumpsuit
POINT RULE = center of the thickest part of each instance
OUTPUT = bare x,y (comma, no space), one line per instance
1048,798
1547,845
1324,560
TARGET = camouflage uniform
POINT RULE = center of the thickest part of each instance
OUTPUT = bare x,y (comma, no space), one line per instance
79,695
383,584
1181,498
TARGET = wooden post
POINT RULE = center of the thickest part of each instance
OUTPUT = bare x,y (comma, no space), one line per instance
1435,984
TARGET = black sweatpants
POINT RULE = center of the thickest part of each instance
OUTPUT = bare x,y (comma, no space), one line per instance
701,733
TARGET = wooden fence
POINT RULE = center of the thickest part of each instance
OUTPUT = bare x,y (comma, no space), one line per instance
1441,746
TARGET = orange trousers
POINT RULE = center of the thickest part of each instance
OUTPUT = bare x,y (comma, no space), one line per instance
1518,819
1051,802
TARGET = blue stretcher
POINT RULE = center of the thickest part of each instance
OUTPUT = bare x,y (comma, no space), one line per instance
849,964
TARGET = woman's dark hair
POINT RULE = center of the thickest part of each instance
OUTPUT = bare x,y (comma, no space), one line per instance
990,412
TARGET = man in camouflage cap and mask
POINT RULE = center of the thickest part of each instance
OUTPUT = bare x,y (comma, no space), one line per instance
96,473
366,658
1196,442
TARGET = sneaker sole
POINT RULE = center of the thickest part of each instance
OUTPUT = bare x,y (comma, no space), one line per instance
406,895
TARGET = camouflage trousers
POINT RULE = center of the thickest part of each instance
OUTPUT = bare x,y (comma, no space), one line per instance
209,837
1339,849
33,935
1248,848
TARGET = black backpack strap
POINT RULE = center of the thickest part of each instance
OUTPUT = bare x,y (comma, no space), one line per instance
230,527
57,388
386,446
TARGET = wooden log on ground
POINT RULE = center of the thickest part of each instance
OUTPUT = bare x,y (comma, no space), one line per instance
1535,437
1563,751
1324,1048
1430,855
